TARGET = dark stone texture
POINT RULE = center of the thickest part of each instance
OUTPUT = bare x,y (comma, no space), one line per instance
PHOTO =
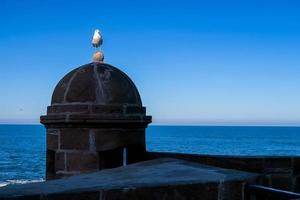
278,165
106,139
82,88
265,180
231,190
52,141
251,164
208,191
82,161
283,182
52,131
50,163
296,166
275,171
297,184
60,89
59,161
135,110
135,153
96,108
97,83
73,138
59,109
111,158
155,179
108,109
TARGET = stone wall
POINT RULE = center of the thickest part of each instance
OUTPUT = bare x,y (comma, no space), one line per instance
72,151
281,172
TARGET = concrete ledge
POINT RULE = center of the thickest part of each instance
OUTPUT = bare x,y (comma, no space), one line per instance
155,179
280,172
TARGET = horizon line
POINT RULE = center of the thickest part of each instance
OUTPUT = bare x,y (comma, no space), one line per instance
196,124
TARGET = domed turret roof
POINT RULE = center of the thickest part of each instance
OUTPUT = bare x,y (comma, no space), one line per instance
96,83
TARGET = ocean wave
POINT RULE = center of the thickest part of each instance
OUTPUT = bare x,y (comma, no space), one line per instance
19,181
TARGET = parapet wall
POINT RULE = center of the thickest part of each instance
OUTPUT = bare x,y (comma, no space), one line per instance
281,172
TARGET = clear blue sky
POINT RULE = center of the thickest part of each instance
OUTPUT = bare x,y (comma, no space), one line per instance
199,62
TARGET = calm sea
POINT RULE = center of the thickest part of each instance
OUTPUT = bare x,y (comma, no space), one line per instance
22,147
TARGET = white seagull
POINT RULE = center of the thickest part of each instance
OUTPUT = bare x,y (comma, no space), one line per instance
97,39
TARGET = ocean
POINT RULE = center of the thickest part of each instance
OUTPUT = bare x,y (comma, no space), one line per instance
22,147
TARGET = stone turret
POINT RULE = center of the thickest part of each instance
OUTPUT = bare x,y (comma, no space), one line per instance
95,121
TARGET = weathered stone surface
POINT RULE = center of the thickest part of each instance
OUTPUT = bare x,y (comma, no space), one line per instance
278,165
95,96
60,89
97,83
108,109
207,191
60,161
296,166
231,190
135,110
265,180
297,184
82,88
50,164
111,158
283,182
59,109
246,163
107,139
52,141
155,179
82,161
52,131
74,138
267,166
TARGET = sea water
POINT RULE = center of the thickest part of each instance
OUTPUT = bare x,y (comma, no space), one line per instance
22,147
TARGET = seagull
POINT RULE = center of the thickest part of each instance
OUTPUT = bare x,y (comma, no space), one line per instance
97,39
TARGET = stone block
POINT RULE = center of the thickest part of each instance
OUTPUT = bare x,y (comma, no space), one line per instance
50,162
135,110
108,109
265,180
83,86
74,138
231,190
277,163
297,184
53,131
58,94
283,182
82,161
52,141
107,139
59,161
135,153
207,191
296,166
249,164
59,109
111,158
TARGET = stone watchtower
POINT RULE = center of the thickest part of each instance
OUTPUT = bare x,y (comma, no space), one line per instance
95,121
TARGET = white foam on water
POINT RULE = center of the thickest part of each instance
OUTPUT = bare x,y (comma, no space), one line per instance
20,181
2,184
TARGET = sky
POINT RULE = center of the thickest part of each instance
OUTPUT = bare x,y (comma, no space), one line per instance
193,62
